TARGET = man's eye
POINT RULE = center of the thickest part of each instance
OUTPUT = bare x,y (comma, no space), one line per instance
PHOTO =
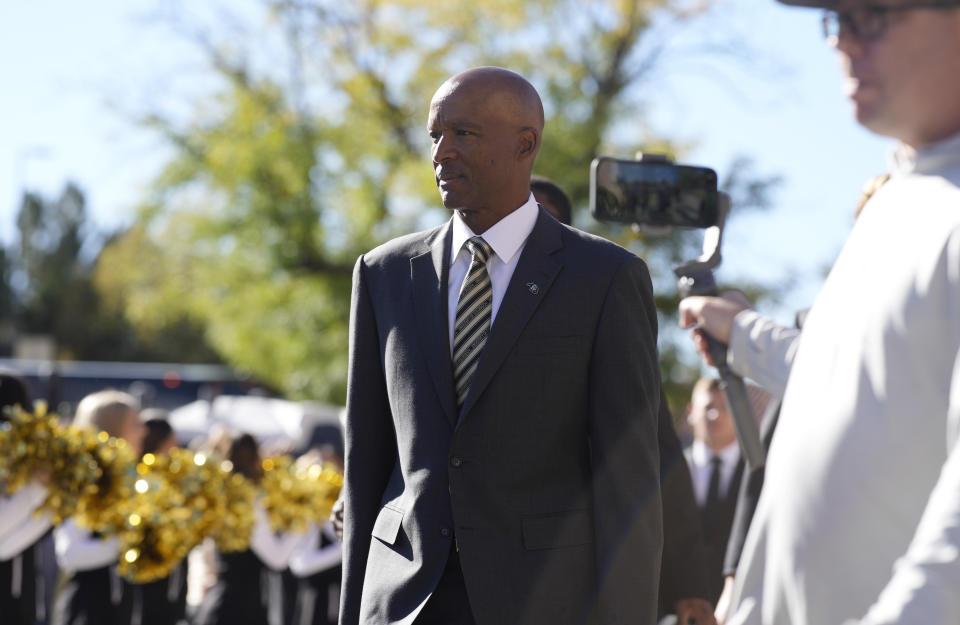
464,133
434,136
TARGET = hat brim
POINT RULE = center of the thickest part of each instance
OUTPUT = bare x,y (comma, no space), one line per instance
850,4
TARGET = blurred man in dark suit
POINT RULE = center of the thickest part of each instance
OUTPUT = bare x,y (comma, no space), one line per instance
716,469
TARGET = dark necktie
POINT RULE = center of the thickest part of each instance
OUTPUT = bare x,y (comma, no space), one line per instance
713,505
472,323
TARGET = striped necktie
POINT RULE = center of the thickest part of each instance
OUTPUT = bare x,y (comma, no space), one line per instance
472,323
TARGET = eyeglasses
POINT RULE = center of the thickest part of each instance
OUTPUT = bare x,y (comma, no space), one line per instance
869,23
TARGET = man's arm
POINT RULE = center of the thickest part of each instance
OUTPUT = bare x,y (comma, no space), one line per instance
624,399
758,348
370,446
762,350
925,587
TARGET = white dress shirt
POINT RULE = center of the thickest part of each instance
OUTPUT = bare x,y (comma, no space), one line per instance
507,238
701,468
859,518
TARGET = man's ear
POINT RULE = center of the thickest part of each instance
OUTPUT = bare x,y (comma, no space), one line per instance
528,143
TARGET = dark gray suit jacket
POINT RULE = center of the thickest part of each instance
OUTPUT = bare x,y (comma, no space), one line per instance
547,476
716,537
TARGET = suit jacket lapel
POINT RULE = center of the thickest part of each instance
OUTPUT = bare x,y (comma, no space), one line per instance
430,272
531,280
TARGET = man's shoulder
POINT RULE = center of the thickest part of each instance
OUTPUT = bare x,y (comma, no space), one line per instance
594,256
595,247
403,248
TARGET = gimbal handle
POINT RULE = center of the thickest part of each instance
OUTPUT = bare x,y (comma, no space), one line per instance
696,278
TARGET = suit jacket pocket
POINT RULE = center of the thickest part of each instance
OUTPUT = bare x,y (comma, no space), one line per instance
387,525
561,529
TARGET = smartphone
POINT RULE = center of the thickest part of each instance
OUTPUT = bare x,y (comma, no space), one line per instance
653,193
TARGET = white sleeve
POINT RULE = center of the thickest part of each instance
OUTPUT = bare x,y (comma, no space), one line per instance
18,507
274,550
201,571
762,350
28,532
309,559
925,582
77,550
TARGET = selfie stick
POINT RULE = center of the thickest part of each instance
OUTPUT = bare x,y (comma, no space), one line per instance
696,278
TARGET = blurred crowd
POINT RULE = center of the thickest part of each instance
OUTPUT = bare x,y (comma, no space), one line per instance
276,562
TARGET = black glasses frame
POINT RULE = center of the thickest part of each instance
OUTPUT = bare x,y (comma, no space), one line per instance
868,23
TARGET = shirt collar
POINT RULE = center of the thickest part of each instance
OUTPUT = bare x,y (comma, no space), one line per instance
702,454
931,158
506,237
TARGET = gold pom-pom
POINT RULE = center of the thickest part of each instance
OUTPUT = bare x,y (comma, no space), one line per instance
103,508
153,538
218,503
178,500
35,444
294,496
235,523
159,507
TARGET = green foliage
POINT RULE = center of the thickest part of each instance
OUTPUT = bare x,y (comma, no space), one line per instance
55,294
281,178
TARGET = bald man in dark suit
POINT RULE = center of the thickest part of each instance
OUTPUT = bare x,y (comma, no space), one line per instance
501,428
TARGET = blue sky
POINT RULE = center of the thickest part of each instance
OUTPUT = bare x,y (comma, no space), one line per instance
72,69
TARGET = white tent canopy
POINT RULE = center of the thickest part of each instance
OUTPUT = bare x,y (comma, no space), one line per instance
267,419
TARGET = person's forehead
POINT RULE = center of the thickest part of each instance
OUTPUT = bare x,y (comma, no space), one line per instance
463,108
465,94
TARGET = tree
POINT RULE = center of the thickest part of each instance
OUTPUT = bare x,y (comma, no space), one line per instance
295,167
7,304
52,267
48,255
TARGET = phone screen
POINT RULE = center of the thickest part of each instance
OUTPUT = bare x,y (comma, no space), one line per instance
654,194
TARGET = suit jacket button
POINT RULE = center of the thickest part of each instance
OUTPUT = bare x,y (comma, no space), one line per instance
456,461
445,532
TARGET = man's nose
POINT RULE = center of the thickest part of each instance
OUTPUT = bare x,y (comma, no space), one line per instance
443,149
847,42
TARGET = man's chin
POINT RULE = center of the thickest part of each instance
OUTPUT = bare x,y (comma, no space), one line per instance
872,119
867,105
450,201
